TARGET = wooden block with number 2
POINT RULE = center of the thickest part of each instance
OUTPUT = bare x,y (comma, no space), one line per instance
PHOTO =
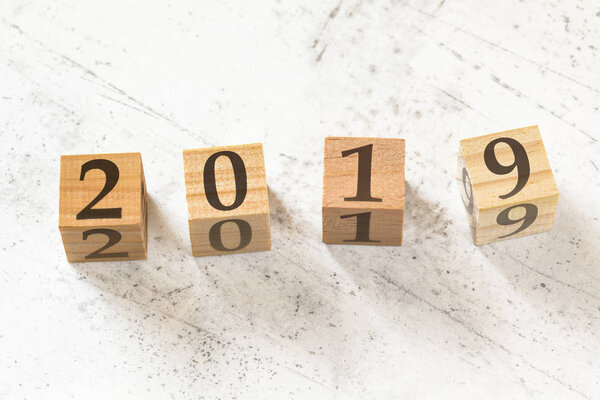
507,184
363,191
102,207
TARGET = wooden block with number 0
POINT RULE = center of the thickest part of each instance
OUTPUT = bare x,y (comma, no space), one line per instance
228,199
363,191
507,184
102,207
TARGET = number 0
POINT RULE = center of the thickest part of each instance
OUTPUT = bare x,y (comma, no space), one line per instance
241,189
210,184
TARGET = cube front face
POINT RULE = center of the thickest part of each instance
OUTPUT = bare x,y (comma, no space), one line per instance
102,207
507,184
362,226
228,200
363,191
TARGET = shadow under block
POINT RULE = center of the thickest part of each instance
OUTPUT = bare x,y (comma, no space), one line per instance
228,200
507,185
363,191
102,207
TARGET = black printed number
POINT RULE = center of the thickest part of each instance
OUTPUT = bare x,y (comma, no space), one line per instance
521,163
241,189
111,171
363,185
215,238
469,194
363,192
114,237
210,184
531,212
363,221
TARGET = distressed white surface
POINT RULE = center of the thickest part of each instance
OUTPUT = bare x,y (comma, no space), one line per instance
435,318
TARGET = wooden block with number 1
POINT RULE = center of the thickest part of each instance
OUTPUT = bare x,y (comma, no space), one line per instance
102,207
228,199
507,184
363,191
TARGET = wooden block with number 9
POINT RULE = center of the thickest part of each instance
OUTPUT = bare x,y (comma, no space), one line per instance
228,199
507,184
102,207
363,191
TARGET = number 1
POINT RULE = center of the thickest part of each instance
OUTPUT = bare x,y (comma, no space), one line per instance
363,222
363,185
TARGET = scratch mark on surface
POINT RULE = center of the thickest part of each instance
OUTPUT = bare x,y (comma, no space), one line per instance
479,334
179,290
128,105
356,8
571,124
549,276
305,376
332,14
457,100
197,328
492,44
541,107
7,274
321,54
567,21
89,72
507,86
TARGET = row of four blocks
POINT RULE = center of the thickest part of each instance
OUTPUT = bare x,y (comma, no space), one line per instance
103,214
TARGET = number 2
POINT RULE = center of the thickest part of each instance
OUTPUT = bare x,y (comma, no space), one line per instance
111,171
114,237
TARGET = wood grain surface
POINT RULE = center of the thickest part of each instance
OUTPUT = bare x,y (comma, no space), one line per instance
122,191
241,209
493,193
363,176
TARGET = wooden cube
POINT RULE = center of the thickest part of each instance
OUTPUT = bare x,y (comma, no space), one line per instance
507,184
363,191
228,199
102,207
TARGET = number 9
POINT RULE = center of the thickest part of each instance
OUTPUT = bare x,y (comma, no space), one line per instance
531,213
521,163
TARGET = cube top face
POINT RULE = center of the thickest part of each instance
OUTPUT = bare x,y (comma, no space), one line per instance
363,173
225,181
101,190
509,167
